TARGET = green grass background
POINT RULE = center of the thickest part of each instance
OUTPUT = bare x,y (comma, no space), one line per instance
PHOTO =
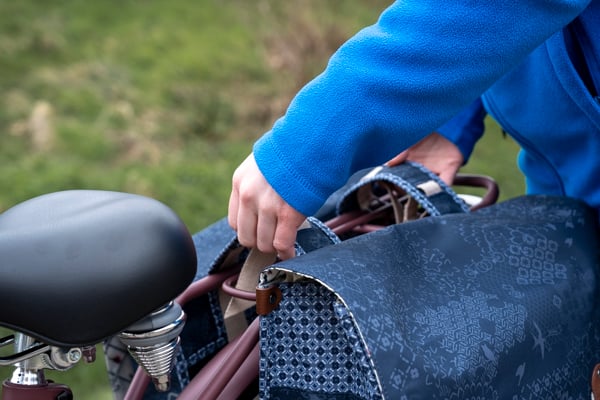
164,99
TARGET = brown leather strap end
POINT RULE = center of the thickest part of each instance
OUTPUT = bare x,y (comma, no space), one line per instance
596,382
267,299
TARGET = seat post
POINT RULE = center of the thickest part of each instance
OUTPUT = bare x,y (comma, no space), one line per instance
25,373
28,381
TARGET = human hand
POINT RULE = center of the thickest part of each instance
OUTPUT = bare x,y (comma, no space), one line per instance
261,218
436,153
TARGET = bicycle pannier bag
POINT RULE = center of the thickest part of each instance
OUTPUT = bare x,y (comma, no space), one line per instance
499,303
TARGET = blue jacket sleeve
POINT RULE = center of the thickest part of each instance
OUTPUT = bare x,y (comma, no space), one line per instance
395,82
465,128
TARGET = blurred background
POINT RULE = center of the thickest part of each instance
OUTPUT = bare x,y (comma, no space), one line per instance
164,99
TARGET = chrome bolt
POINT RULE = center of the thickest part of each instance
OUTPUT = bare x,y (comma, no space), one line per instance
74,355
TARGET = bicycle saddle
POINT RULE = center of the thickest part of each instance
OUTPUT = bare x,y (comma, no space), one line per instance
78,266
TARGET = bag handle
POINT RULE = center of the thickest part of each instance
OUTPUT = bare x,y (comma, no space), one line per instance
409,178
388,195
492,192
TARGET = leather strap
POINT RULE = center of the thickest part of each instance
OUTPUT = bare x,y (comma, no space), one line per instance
235,312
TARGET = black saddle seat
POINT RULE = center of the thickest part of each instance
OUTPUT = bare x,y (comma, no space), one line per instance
78,266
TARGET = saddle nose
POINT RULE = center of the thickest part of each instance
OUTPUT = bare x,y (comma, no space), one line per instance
78,266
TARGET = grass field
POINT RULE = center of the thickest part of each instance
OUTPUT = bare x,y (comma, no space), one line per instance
163,99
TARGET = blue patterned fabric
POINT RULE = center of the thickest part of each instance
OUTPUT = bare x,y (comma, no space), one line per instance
501,303
307,348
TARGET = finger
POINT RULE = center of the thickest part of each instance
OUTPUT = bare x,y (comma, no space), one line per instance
265,232
284,240
232,209
288,222
399,159
448,175
246,227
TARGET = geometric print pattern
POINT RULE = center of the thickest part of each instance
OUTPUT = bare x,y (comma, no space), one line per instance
309,348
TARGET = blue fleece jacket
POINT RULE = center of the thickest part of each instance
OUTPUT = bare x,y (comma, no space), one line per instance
421,64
